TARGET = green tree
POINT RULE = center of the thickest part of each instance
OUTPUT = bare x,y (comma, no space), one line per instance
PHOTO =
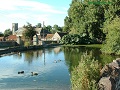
112,43
75,12
1,34
29,31
85,18
67,24
56,28
39,25
49,28
7,32
111,11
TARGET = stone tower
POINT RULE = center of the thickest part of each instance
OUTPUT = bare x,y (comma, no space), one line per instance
14,28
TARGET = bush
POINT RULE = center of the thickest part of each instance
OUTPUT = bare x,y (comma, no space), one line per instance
112,43
86,74
26,44
75,39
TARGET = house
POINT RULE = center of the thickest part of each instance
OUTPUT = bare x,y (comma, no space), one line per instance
12,38
2,38
49,36
41,33
20,31
58,35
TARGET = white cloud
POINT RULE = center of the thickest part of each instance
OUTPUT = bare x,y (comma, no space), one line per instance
4,26
28,5
41,17
32,11
18,15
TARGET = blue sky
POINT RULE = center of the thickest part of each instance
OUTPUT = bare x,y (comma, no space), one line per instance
32,11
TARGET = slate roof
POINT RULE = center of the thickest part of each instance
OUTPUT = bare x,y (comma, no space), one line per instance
61,34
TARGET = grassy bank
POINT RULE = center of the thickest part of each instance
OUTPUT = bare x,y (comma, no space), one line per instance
90,45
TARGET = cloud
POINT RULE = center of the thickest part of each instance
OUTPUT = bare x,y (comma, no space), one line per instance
18,15
32,11
28,5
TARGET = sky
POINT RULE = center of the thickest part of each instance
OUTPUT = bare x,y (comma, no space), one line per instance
33,11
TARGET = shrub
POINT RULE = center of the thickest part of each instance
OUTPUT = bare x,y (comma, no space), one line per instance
86,74
112,43
26,44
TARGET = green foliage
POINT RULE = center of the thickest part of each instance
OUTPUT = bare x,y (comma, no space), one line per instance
26,44
111,11
85,18
39,25
7,32
112,43
75,39
53,29
86,74
1,34
29,31
56,28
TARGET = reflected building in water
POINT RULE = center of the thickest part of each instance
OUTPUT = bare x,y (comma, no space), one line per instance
57,50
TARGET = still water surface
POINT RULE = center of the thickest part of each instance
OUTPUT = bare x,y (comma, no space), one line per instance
53,66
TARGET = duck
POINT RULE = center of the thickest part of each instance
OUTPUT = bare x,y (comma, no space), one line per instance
34,73
59,60
21,72
55,61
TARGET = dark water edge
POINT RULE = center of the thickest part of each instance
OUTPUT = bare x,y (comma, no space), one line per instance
24,48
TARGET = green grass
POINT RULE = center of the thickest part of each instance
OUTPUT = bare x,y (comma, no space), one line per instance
90,45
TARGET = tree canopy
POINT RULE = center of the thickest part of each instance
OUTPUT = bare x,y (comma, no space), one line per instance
96,21
7,32
29,31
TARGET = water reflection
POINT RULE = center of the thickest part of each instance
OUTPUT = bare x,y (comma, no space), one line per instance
50,75
73,55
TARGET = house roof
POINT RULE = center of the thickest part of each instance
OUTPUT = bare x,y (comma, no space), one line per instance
61,34
12,37
49,36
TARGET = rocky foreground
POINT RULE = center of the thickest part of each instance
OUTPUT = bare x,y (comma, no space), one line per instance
110,76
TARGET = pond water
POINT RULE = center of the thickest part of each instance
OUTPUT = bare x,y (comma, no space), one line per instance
53,66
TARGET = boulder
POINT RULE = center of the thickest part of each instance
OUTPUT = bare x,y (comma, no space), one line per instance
110,76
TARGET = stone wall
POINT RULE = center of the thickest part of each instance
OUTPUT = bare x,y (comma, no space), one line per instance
8,43
23,48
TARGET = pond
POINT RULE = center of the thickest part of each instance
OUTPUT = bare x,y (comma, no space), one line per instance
53,66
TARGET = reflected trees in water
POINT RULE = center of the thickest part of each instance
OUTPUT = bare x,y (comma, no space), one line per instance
73,56
29,56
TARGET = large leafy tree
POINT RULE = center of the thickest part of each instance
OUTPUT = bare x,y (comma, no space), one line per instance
29,31
111,11
67,24
75,13
85,18
7,32
112,43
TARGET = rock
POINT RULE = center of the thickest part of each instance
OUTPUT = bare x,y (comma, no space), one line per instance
110,76
106,83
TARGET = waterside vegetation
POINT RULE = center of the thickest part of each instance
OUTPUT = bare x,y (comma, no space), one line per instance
93,24
86,75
